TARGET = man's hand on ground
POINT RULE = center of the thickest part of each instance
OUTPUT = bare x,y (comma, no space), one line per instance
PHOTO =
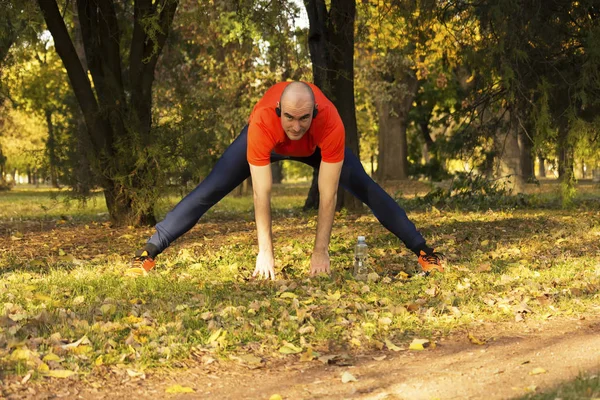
319,263
265,265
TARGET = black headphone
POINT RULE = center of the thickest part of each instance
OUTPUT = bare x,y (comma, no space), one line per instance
315,111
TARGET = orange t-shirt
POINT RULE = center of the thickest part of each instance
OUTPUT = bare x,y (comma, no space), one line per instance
265,133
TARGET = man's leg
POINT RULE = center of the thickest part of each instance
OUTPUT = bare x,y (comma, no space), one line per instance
355,180
229,172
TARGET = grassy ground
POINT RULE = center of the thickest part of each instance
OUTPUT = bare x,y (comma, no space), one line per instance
584,387
66,306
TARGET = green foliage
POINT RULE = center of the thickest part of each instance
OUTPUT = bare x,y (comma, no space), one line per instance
585,386
471,191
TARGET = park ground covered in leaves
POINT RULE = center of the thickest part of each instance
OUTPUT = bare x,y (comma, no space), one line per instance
69,310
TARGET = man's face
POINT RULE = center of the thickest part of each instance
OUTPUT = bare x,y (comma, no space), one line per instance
296,118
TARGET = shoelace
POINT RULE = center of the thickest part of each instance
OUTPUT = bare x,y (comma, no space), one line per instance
434,258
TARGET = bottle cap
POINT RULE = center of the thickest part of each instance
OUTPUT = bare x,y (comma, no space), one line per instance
361,238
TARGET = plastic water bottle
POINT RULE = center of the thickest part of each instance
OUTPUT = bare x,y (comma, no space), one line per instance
360,257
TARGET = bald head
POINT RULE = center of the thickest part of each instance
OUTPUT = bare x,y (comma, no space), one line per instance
297,104
297,92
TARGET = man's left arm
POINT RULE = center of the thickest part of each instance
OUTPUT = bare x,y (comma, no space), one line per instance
329,177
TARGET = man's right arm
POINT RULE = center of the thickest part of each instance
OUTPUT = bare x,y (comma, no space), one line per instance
262,182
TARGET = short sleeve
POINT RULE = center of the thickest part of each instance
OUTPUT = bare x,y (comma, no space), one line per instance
333,140
260,139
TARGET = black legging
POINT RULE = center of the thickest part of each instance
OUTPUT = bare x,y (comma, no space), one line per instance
232,169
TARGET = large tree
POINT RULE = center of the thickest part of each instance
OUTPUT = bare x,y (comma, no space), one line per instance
331,44
544,55
118,107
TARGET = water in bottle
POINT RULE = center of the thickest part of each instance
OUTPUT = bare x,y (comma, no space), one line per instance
360,257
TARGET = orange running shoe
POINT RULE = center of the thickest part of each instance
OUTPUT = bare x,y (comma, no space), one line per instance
430,262
143,260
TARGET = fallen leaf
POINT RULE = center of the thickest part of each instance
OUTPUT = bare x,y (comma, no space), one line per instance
25,378
250,359
289,348
392,346
51,357
474,340
20,354
348,377
380,358
419,344
179,389
486,267
275,397
82,340
135,272
537,371
308,355
133,373
60,373
214,336
43,367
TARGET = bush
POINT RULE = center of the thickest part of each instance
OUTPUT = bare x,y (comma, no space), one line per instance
473,192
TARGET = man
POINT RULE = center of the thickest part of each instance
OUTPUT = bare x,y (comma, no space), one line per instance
295,121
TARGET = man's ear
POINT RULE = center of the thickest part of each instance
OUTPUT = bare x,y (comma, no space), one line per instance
278,110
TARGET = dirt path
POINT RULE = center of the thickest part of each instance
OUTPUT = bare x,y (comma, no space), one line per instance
455,369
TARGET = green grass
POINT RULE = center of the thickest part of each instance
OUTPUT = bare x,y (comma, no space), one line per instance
585,387
58,288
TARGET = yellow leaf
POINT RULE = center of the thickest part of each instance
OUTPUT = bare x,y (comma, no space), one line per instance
51,357
179,389
214,336
355,342
99,361
20,354
60,373
135,272
108,309
334,296
392,346
418,344
42,297
474,340
289,348
308,355
43,367
78,300
537,371
348,377
276,397
288,295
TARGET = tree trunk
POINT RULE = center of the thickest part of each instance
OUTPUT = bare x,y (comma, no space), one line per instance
51,150
312,200
527,160
508,163
392,109
565,155
118,125
392,158
277,172
83,175
541,167
331,44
